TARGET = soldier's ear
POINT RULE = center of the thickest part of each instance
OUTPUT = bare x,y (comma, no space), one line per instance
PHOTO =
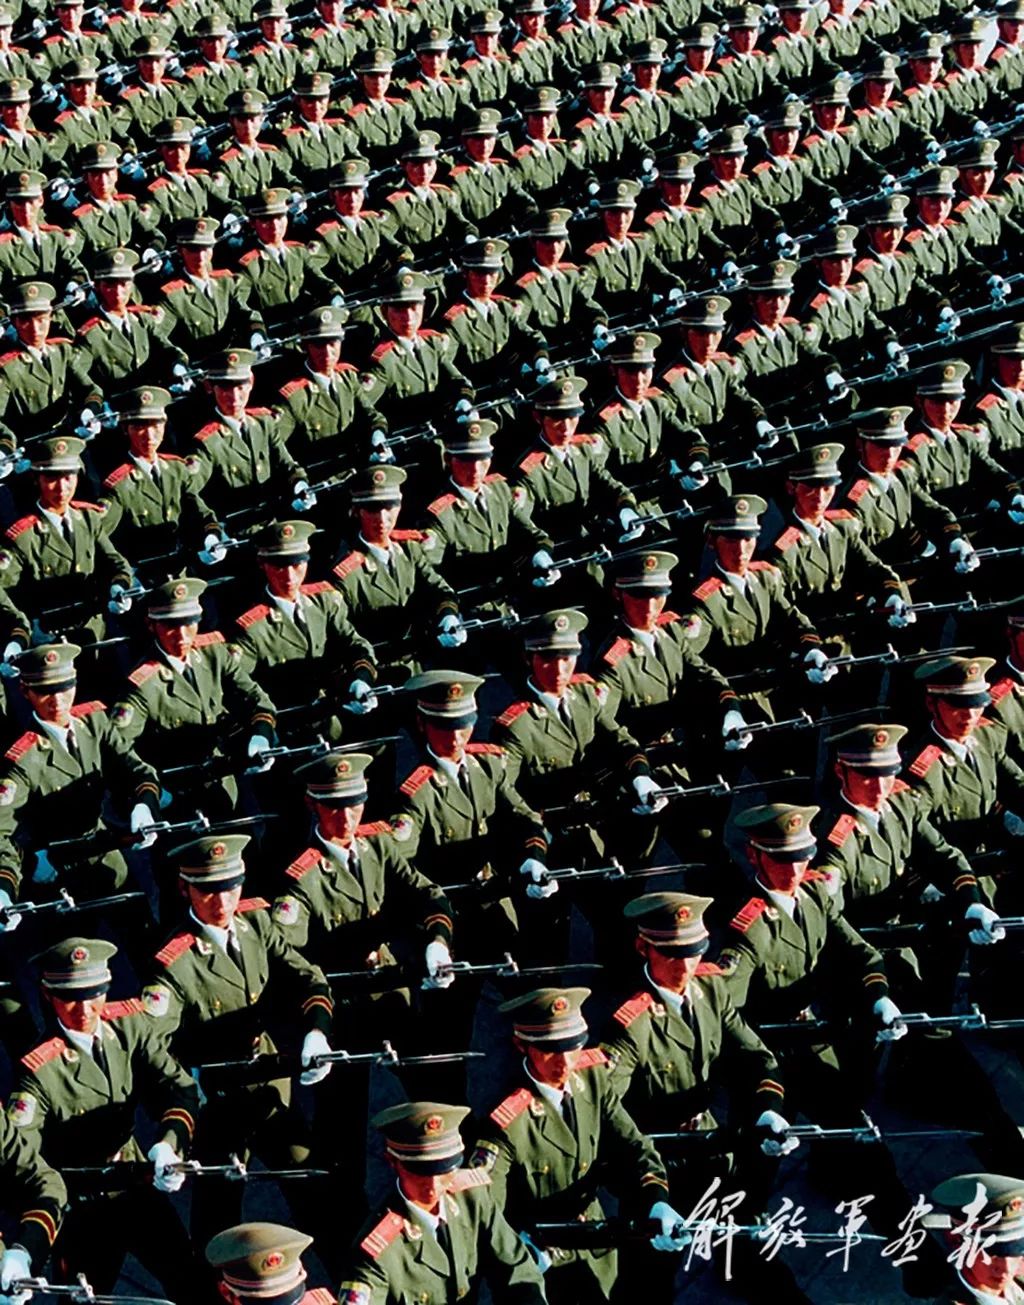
642,947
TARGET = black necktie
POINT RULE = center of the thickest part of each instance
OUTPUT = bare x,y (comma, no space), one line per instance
189,676
569,1112
99,1055
71,744
444,1241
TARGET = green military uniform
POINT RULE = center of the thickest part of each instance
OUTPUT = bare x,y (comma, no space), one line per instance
542,168
536,55
423,216
248,169
434,96
487,184
490,77
557,295
149,103
890,278
787,353
116,223
317,151
624,268
581,43
734,208
189,193
682,233
700,93
206,313
34,1190
1000,411
939,250
127,346
211,84
424,363
275,64
284,276
352,245
843,314
491,334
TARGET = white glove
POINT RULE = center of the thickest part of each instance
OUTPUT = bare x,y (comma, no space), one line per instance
9,665
257,746
314,1044
213,550
541,1258
899,616
15,1266
735,732
889,1015
1016,509
544,564
928,549
966,558
540,885
767,435
602,337
164,1179
649,795
12,921
818,669
984,917
45,871
304,498
438,959
363,698
7,461
835,383
119,601
139,822
775,1123
451,632
1013,824
693,477
631,525
379,448
673,1237
930,894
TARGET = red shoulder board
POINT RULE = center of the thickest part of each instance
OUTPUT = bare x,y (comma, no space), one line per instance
416,780
21,526
512,1107
744,336
484,749
42,1055
253,904
842,829
535,459
668,618
742,920
87,708
254,614
144,672
172,287
456,310
708,588
858,490
319,1296
211,428
441,504
80,503
582,679
373,828
1000,689
762,566
617,651
787,539
631,1010
916,441
247,258
417,536
708,970
925,760
86,327
205,640
529,277
116,1010
178,945
838,514
318,587
819,876
592,1058
303,864
513,713
989,401
117,476
349,564
375,1243
25,744
300,383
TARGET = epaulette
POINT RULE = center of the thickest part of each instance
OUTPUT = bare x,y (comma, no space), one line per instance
528,278
456,310
254,614
915,441
513,713
989,401
211,428
709,587
535,459
925,760
247,258
20,526
373,828
229,156
389,1229
407,536
630,1011
985,722
467,1178
82,210
382,350
427,334
864,263
170,457
221,272
349,564
842,829
178,946
788,538
858,490
659,215
912,236
583,439
1000,689
494,478
744,336
512,1107
300,383
817,876
441,504
610,411
252,904
117,1010
762,167
303,864
668,618
743,919
416,780
205,640
485,749
144,672
594,249
582,679
25,744
617,651
838,514
43,1054
318,587
81,503
819,301
762,566
172,287
592,1058
708,970
86,327
117,476
87,708
901,786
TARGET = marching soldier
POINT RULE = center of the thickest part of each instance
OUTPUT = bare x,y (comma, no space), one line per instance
484,182
379,120
1006,59
281,274
700,89
434,95
489,71
985,215
109,218
554,292
648,109
15,60
88,120
248,163
748,72
178,192
413,360
355,240
71,39
22,145
28,1178
150,95
831,150
1000,411
935,238
213,78
625,263
424,213
318,144
29,247
840,308
584,37
682,232
532,45
261,1262
601,133
545,159
274,60
208,307
888,271
732,199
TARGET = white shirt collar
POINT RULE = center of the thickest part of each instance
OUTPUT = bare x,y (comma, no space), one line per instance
783,901
738,582
548,699
427,1221
449,768
552,1095
381,555
56,521
646,638
873,818
285,606
339,855
219,937
675,1001
54,731
80,1041
959,750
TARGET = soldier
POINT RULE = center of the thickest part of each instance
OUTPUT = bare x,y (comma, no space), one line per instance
1000,411
381,23
601,133
354,239
682,232
109,218
302,623
22,145
379,120
935,238
486,183
212,998
840,308
489,71
1006,59
27,1178
883,128
177,191
584,37
888,271
280,274
213,77
531,44
625,262
29,247
71,40
831,150
545,159
799,59
318,144
441,1231
748,72
150,95
274,60
700,89
786,184
992,1199
75,1103
969,85
88,120
413,361
208,307
732,200
424,213
15,60
128,20
844,34
984,214
434,96
180,702
546,1143
55,777
926,103
554,292
326,31
260,1262
58,562
649,108
248,163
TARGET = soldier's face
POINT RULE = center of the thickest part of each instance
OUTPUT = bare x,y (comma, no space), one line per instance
782,141
532,25
810,500
15,116
940,411
734,552
994,1274
152,69
769,309
53,707
349,201
270,230
176,155
977,181
214,906
552,671
470,472
433,62
176,640
231,397
420,172
864,789
312,107
114,292
829,116
324,355
81,94
968,54
925,71
727,167
701,344
330,10
647,75
953,720
641,611
550,1067
32,328
338,824
70,17
617,222
779,876
375,84
549,253
836,271
213,48
445,742
600,98
675,193
485,44
539,126
404,319
145,438
559,428
5,36
377,520
425,1190
247,128
698,57
879,458
878,93
273,28
102,182
586,8
794,20
885,237
480,148
634,382
480,283
1010,370
57,489
666,968
25,212
198,259
284,580
1010,30
742,39
80,1015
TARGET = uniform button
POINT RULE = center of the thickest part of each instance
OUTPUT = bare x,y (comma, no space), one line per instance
253,998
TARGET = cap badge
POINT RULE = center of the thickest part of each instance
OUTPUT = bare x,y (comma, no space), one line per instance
180,591
454,692
79,956
218,849
287,531
881,738
52,658
650,563
379,476
683,914
561,623
433,1124
344,767
794,823
559,1006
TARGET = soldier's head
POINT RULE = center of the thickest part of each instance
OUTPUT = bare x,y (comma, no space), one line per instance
616,202
48,680
485,32
322,333
98,164
143,416
742,27
733,528
771,289
211,873
782,128
967,40
553,645
312,92
483,266
795,16
268,216
336,793
956,693
246,113
549,236
424,1147
75,979
259,1262
173,139
642,584
985,1229
549,1029
831,103
1010,21
195,239
57,463
675,178
228,378
446,710
531,16
272,19
540,108
840,8
405,303
173,613
23,192
586,10
600,82
31,308
671,935
867,763
558,407
282,551
80,78
419,157
70,14
631,359
924,58
377,501
703,323
1007,351
15,103
646,60
468,451
885,222
348,187
373,69
113,277
940,394
432,51
812,481
480,134
698,44
881,77
780,844
727,153
151,55
976,167
213,34
835,253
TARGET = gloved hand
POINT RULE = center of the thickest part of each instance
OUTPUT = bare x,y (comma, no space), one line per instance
649,795
767,435
949,321
12,921
983,918
896,352
774,1123
693,478
835,383
119,602
1013,824
380,451
363,698
255,749
888,1015
966,558
139,821
438,957
541,1258
9,667
314,1044
818,669
15,1266
165,1180
602,337
213,550
930,894
928,549
735,732
899,616
45,871
7,463
305,498
257,339
464,408
1016,509
540,885
544,564
450,631
631,525
673,1236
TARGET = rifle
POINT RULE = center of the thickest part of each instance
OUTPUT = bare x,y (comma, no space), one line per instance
268,1066
676,792
505,969
64,905
82,1294
89,844
613,873
119,1174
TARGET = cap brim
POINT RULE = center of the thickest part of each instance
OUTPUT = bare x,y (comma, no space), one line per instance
78,994
337,800
59,687
451,722
212,883
789,855
575,1042
682,950
982,699
428,1167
